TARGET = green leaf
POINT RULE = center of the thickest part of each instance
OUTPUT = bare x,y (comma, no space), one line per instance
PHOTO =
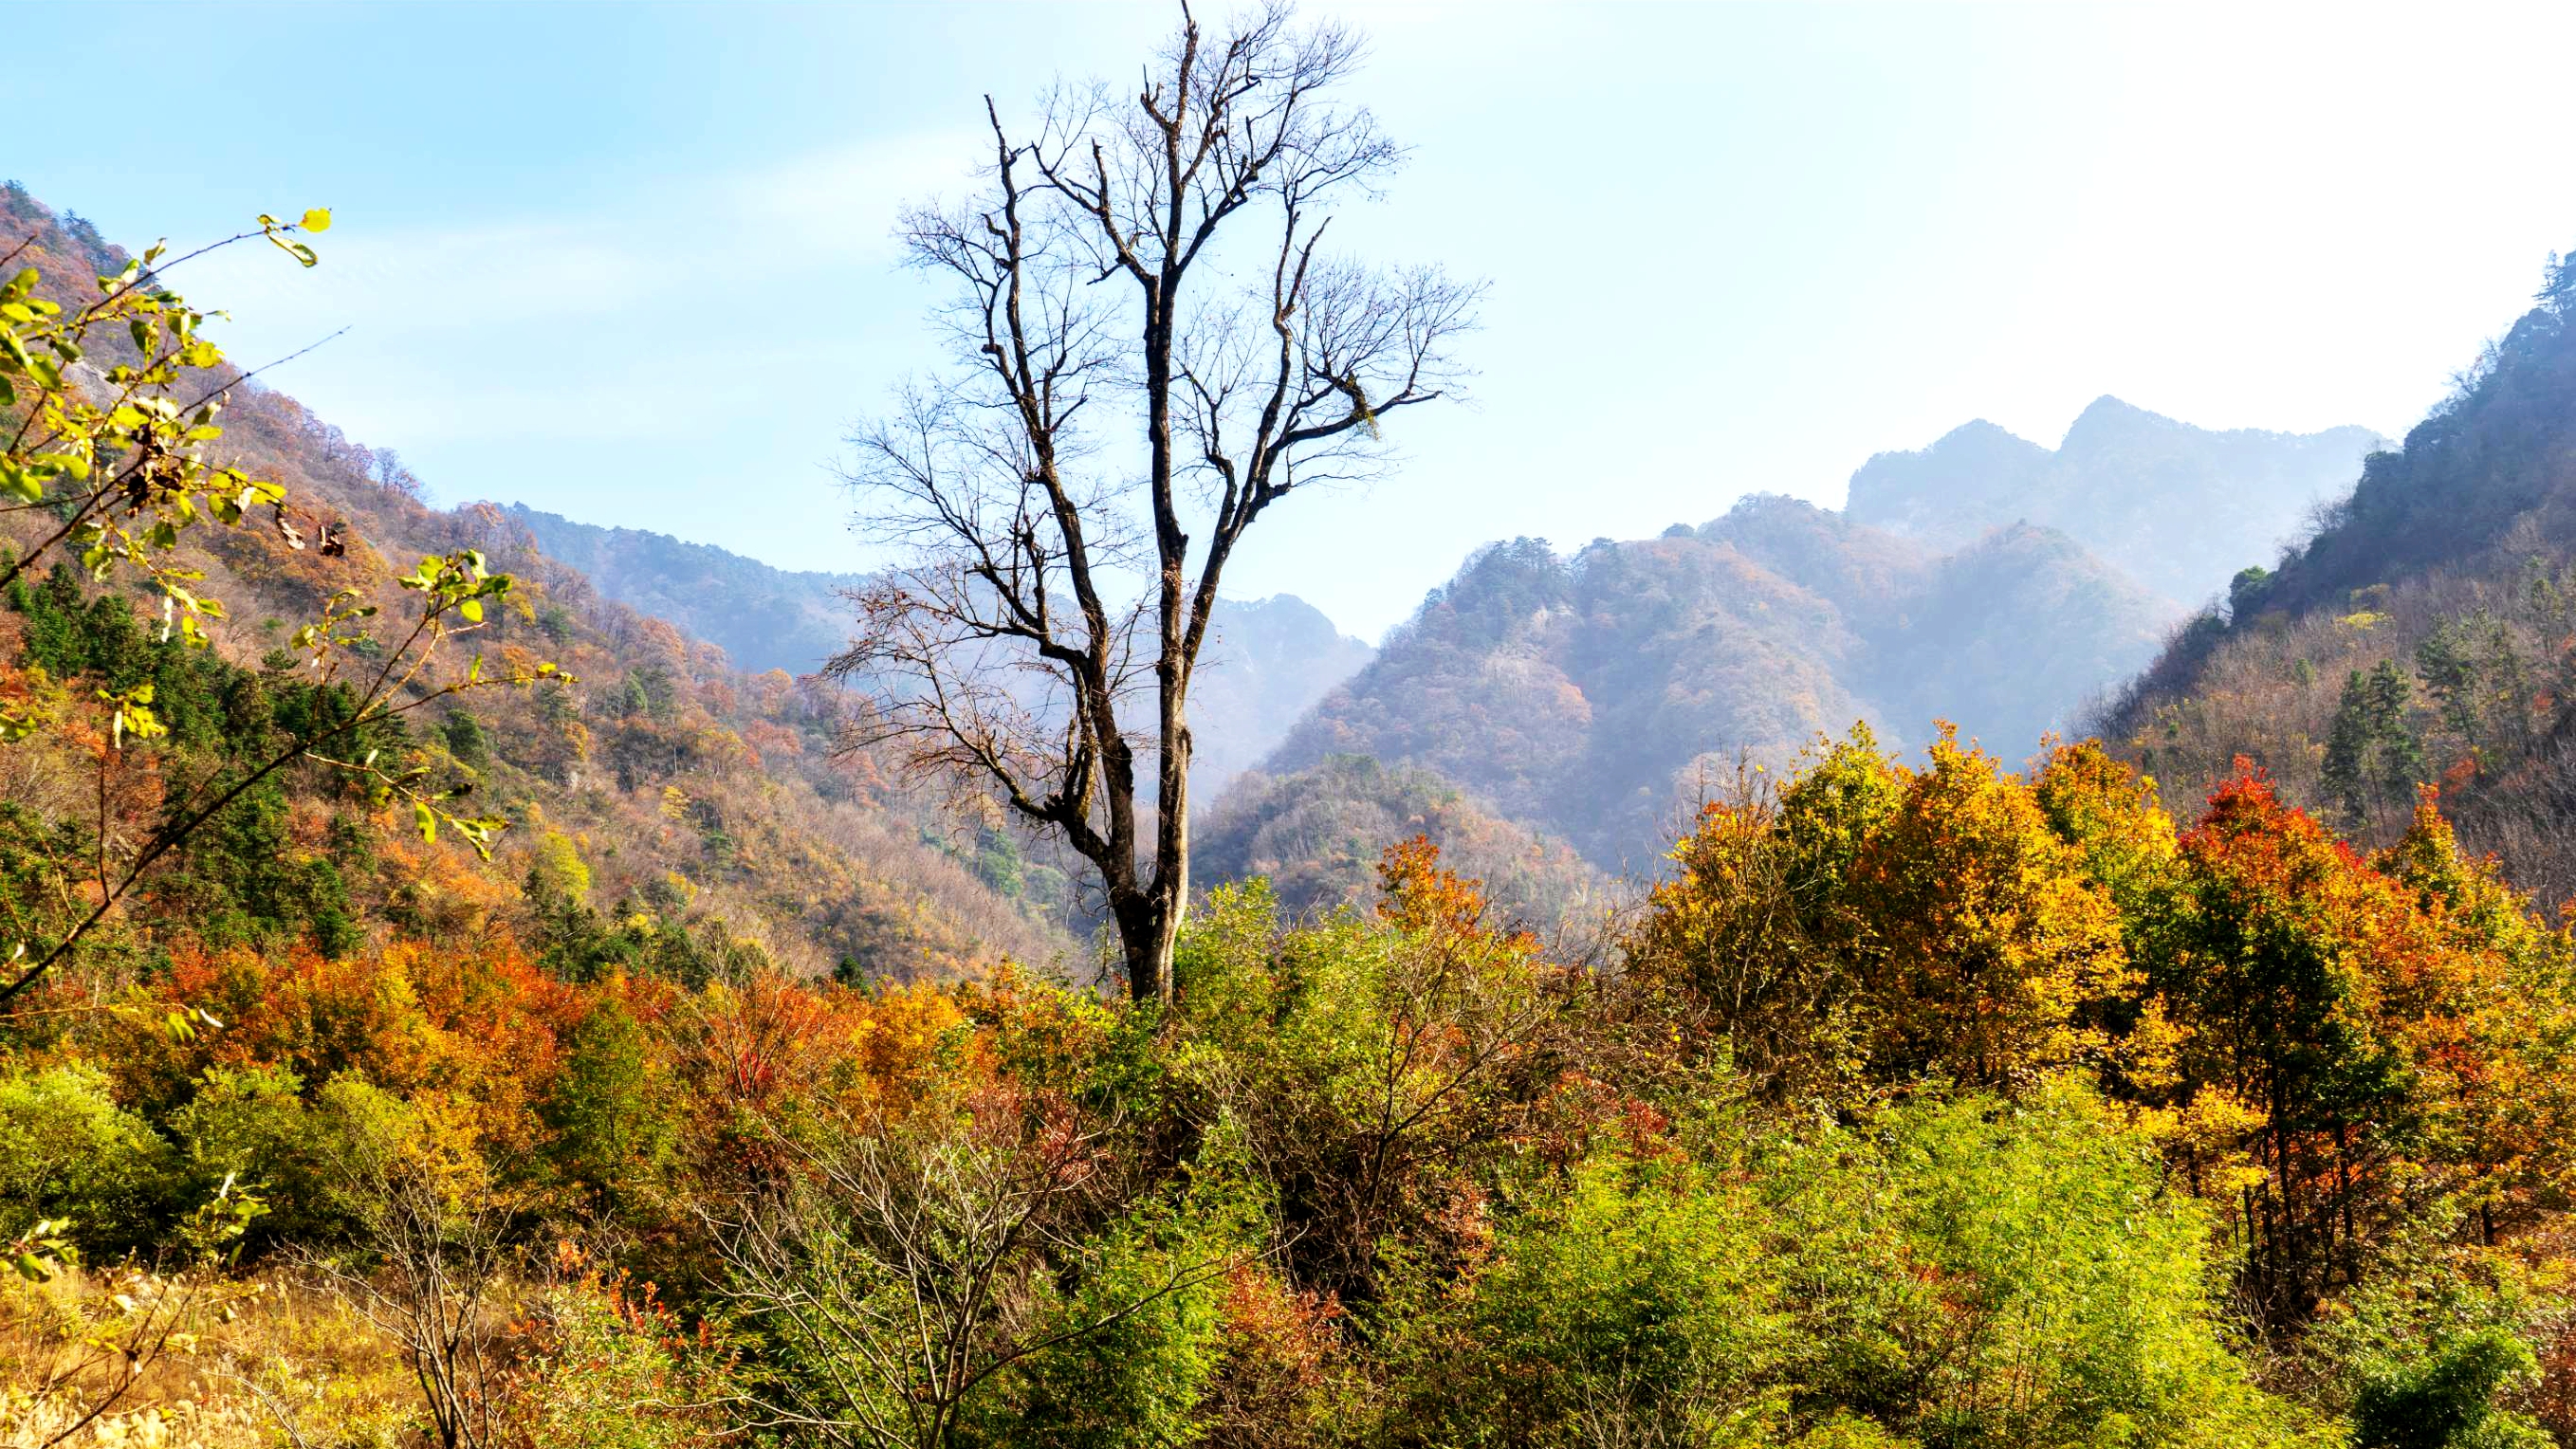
428,820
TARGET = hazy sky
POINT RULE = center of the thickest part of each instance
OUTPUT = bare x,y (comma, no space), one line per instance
630,263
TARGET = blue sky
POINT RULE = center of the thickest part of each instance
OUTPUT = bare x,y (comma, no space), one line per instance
630,263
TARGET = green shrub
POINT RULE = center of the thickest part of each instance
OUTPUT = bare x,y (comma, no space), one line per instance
2445,1399
67,1151
1644,1306
1145,1337
251,1124
2053,1292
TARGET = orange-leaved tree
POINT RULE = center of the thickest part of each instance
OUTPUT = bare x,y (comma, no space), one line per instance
2323,994
1988,954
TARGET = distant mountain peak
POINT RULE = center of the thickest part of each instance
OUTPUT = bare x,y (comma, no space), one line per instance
2107,419
1760,507
2179,508
2110,406
1983,432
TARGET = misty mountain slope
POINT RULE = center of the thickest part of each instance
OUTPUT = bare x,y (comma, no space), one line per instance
1960,636
1318,835
1592,697
1863,570
2178,508
763,618
2012,637
1266,661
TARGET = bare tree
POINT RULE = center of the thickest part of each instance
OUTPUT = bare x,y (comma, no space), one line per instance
1151,262
431,1254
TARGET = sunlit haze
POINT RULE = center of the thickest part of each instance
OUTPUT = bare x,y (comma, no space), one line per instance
632,265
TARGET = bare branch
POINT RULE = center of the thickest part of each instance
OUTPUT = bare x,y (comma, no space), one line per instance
1045,585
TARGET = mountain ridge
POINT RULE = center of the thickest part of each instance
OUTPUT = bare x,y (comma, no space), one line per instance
1984,580
2418,636
2168,502
1598,697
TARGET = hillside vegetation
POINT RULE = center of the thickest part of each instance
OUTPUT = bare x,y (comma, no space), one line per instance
1316,837
1928,1106
1597,698
2420,634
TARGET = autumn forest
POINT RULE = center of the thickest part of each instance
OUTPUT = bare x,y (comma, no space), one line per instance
2072,948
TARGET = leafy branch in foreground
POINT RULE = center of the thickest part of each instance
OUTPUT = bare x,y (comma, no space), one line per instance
118,457
452,590
116,1338
118,454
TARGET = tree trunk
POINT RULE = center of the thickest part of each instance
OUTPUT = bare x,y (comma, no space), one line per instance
1171,888
1149,955
1148,945
1140,932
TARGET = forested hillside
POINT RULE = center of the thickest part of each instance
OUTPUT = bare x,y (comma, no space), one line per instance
1270,659
2420,634
763,618
1316,837
1597,697
680,794
2173,506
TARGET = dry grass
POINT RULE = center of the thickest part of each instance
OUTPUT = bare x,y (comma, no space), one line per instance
267,1361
